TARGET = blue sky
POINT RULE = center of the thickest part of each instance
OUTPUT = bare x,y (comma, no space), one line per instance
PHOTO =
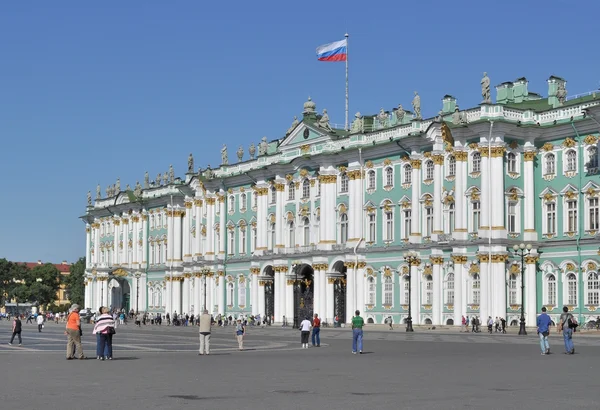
92,91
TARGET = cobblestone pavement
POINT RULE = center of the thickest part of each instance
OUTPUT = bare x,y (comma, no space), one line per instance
158,368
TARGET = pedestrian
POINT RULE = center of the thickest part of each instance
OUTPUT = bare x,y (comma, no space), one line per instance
566,325
240,331
40,322
543,329
503,324
464,324
105,327
496,325
16,330
204,333
73,332
304,332
316,331
390,322
357,332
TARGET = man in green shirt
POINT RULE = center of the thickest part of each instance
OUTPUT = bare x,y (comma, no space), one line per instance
357,332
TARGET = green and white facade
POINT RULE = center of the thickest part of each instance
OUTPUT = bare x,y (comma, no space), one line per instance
342,207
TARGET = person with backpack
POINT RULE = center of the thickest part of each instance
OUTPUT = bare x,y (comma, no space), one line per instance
567,324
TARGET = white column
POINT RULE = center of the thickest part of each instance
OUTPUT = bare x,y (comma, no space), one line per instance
360,286
168,297
186,294
105,293
222,224
134,294
143,292
135,220
323,292
210,229
415,236
177,248
96,227
198,239
187,227
87,301
497,193
116,239
329,313
459,277
438,300
499,289
485,226
254,294
484,275
126,261
531,307
317,289
355,221
88,245
350,287
530,233
145,244
415,294
289,301
278,294
279,214
261,298
197,292
438,180
176,290
221,287
460,203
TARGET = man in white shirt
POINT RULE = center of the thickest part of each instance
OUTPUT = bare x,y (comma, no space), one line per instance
40,322
305,326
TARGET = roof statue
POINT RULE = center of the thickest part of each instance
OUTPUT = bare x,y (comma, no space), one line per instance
252,151
240,153
485,89
224,159
209,172
262,146
463,118
171,174
138,189
309,107
358,123
324,121
158,179
382,117
89,198
165,178
118,186
439,117
127,187
400,114
294,125
146,180
456,116
561,93
416,103
98,192
190,163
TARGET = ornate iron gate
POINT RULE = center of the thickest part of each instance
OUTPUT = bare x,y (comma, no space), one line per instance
303,296
339,298
269,300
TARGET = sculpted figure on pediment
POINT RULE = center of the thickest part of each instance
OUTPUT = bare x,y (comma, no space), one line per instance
98,192
240,153
252,151
324,121
485,89
118,186
561,93
456,116
294,125
165,178
190,163
138,189
400,114
224,158
382,117
158,179
416,103
171,174
262,147
357,124
146,180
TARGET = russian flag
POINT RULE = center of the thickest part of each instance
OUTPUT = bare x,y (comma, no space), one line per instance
337,51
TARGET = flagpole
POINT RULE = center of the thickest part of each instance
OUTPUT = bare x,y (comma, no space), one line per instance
346,124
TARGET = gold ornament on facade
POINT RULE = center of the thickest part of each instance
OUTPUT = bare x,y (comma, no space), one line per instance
590,140
499,258
570,195
303,172
349,265
343,209
498,152
297,184
531,259
436,260
460,155
254,270
428,203
354,175
428,270
369,164
513,144
289,177
591,266
569,142
387,272
210,201
483,257
547,147
371,209
328,179
406,204
438,159
513,194
449,199
515,269
447,134
548,197
312,182
305,149
591,192
475,196
415,163
370,272
387,161
473,268
253,224
361,265
474,146
529,155
290,217
569,267
459,259
230,191
427,154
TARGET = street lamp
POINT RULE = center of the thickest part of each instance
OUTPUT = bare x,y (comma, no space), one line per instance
521,251
137,294
412,258
205,272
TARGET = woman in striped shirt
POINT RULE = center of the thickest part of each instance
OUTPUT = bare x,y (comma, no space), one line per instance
105,327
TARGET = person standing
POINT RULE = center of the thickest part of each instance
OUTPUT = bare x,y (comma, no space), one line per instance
73,332
240,331
503,324
105,327
543,329
357,332
40,322
567,331
304,332
204,333
316,331
16,330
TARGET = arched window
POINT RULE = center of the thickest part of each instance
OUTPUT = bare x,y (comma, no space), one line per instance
291,234
231,233
428,220
593,214
306,231
243,245
291,191
428,286
272,243
306,189
476,289
571,289
230,294
273,195
372,222
407,174
405,290
512,289
242,292
476,161
388,291
571,161
429,170
476,215
593,157
511,162
593,289
389,226
371,180
343,228
344,182
451,166
389,177
242,202
371,291
449,297
159,300
551,290
231,203
549,164
254,239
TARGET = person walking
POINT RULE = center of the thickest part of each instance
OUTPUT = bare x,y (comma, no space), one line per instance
73,332
316,331
16,330
543,329
304,332
204,333
105,327
240,331
40,322
357,333
566,326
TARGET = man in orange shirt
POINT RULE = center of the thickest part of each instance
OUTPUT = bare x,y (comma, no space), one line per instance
73,332
316,337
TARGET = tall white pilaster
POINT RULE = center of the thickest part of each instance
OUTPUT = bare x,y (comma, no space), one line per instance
498,288
222,224
254,298
498,229
360,286
168,297
96,227
198,239
529,231
210,229
415,235
177,236
317,289
221,287
531,307
186,294
329,313
187,227
438,180
289,301
116,240
196,294
262,192
135,220
88,245
176,304
125,260
145,244
355,211
261,298
327,226
279,212
460,186
438,299
485,273
415,294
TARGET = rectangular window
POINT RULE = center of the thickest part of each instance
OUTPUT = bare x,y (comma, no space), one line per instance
552,293
429,221
476,215
594,222
512,218
372,227
388,289
572,216
231,249
551,218
407,223
389,226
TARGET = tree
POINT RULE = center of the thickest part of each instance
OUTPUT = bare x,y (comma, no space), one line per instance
39,284
75,282
6,280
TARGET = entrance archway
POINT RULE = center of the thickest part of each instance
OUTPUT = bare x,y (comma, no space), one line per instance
303,293
119,293
269,278
339,291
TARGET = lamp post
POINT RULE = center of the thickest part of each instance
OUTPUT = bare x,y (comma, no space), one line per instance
205,272
521,251
412,258
137,294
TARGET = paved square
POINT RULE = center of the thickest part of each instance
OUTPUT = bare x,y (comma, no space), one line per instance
158,368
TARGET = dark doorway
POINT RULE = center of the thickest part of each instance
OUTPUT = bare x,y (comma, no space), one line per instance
303,293
339,291
269,293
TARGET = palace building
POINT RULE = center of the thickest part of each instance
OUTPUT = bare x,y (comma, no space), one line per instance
320,220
